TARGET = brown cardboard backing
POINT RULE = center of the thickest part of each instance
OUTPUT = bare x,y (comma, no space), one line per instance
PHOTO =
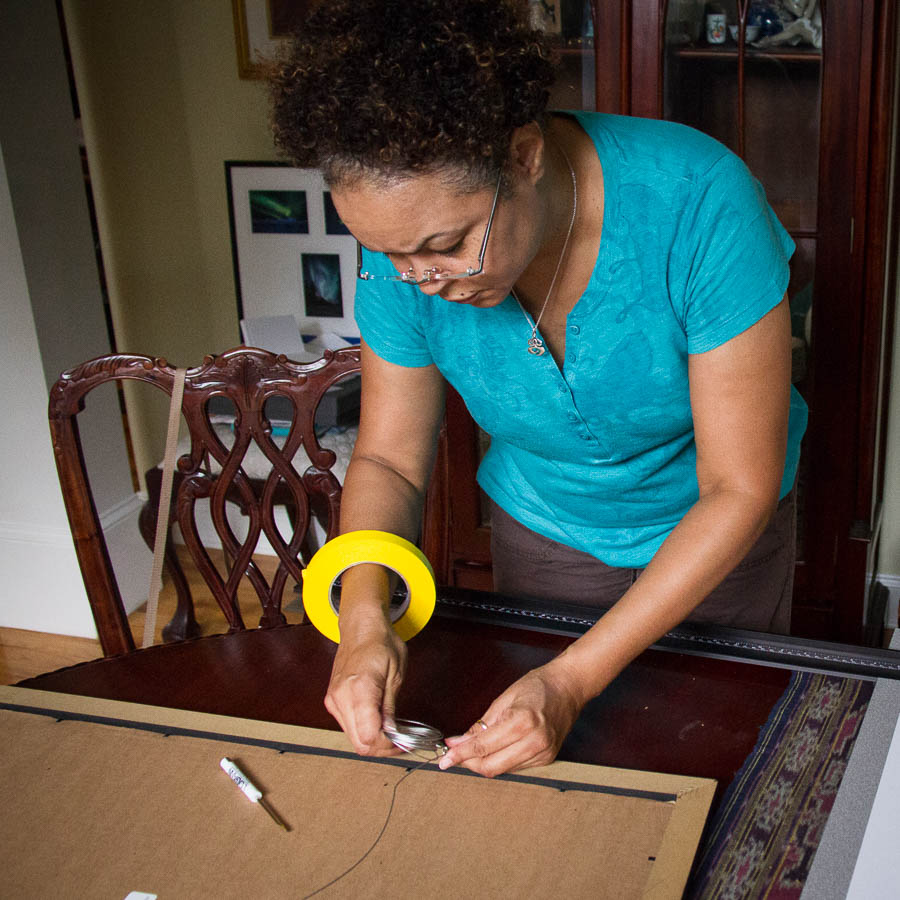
102,798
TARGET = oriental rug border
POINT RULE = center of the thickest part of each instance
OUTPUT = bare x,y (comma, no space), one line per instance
762,839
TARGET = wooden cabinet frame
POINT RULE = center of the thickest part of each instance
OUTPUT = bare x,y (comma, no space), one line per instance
856,238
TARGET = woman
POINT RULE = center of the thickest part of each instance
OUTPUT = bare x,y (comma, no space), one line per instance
608,296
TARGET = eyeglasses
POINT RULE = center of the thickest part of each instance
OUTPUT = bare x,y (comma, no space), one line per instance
433,273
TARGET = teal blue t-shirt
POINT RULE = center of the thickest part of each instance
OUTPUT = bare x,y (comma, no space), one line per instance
601,456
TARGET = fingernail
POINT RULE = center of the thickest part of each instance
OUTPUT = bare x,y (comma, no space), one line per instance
445,762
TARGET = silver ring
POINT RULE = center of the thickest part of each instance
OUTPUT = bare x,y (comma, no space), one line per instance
483,724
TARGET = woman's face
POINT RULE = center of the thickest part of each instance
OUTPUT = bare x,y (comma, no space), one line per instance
423,222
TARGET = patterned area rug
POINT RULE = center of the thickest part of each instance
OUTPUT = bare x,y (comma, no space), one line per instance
762,839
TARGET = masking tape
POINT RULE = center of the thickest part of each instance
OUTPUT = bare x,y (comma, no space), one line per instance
353,549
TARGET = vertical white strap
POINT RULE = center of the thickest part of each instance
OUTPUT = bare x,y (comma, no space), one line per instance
165,501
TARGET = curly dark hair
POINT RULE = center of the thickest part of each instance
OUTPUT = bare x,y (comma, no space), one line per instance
389,87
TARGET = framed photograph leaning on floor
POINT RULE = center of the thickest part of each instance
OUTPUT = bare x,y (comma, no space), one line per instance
292,253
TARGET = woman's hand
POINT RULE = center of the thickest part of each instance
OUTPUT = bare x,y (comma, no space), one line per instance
368,669
525,726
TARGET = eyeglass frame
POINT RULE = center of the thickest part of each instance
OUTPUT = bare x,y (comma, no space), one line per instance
432,274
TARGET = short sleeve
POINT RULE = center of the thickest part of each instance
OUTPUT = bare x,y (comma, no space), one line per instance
389,316
731,256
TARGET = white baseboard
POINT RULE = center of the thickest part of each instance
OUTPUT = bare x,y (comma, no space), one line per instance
892,583
26,533
125,509
42,587
130,556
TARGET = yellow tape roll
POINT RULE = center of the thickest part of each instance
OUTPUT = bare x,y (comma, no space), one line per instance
354,548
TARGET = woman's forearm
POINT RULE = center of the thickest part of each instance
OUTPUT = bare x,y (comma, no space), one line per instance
740,402
705,546
384,488
375,497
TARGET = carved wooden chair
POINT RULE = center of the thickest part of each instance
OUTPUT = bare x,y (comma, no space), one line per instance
215,470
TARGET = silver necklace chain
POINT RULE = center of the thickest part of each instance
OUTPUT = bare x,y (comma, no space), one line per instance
535,344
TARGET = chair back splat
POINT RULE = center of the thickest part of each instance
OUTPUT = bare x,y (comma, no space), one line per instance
293,470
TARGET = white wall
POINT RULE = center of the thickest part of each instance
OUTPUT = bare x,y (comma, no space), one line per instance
888,567
52,296
42,587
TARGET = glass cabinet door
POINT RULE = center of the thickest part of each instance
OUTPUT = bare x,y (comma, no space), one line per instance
750,74
756,86
569,25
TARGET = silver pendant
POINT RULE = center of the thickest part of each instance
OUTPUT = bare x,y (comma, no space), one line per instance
535,346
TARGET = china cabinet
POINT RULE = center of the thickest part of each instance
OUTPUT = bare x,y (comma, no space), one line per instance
815,120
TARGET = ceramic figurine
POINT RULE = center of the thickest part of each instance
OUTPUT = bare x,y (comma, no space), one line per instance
767,17
805,30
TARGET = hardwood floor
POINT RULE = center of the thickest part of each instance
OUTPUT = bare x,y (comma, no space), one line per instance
27,653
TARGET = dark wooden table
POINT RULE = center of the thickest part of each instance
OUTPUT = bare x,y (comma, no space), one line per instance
669,711
693,705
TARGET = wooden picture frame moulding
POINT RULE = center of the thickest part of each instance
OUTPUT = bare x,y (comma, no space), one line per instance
255,37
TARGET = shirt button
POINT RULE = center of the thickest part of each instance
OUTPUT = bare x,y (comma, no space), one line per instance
575,329
572,357
586,437
572,417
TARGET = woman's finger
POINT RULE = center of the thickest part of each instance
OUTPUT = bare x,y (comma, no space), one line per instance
481,741
356,703
359,721
492,757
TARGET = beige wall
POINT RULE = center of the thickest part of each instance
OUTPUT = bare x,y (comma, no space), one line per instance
163,108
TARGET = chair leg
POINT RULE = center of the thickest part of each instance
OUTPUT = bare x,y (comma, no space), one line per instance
183,624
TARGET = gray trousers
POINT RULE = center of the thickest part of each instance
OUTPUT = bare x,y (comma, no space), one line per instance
755,596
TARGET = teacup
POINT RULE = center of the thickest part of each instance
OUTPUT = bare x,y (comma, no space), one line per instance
751,32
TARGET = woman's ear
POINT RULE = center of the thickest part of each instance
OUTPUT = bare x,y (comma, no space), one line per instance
526,152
